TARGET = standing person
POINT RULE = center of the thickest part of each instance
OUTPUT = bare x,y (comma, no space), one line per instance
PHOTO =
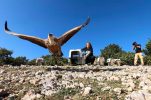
138,53
88,56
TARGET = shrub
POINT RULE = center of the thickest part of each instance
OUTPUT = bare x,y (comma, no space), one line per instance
127,58
20,61
52,60
147,60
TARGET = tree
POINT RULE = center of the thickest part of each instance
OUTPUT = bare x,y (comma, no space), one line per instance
4,53
147,49
5,56
20,61
111,51
147,52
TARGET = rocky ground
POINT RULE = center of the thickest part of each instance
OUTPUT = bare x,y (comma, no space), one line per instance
75,83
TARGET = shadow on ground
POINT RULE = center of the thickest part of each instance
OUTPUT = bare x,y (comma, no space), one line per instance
83,69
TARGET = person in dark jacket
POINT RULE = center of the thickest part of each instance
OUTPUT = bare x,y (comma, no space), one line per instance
88,53
138,53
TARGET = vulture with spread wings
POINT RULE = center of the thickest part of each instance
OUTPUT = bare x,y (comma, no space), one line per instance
52,43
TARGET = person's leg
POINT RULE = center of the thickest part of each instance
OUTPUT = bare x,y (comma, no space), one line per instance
135,59
92,59
141,58
89,60
86,60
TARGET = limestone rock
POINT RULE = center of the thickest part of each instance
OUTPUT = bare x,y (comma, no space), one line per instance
34,81
81,85
87,91
117,90
106,88
139,95
30,95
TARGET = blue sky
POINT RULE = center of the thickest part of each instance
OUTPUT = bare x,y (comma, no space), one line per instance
112,21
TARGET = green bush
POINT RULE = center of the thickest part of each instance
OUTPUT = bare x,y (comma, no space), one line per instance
32,62
20,61
147,60
127,58
52,60
147,52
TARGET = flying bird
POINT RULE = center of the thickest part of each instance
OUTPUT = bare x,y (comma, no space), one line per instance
52,43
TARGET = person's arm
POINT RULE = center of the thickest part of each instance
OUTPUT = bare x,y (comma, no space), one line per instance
134,47
88,53
83,49
138,46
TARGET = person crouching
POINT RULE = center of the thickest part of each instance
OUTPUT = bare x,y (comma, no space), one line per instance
88,53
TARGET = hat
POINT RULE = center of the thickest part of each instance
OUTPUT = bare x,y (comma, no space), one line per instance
134,43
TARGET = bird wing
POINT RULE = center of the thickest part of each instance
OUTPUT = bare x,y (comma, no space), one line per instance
32,39
67,35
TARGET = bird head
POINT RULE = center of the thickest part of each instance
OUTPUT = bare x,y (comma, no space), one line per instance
50,35
50,38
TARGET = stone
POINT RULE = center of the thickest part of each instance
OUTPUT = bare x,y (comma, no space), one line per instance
22,80
114,78
49,92
67,98
39,73
98,98
76,97
2,71
132,85
38,96
34,81
30,95
139,95
106,88
81,75
7,65
81,85
136,75
58,77
129,89
129,83
11,97
113,62
117,90
99,61
70,86
70,77
87,91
